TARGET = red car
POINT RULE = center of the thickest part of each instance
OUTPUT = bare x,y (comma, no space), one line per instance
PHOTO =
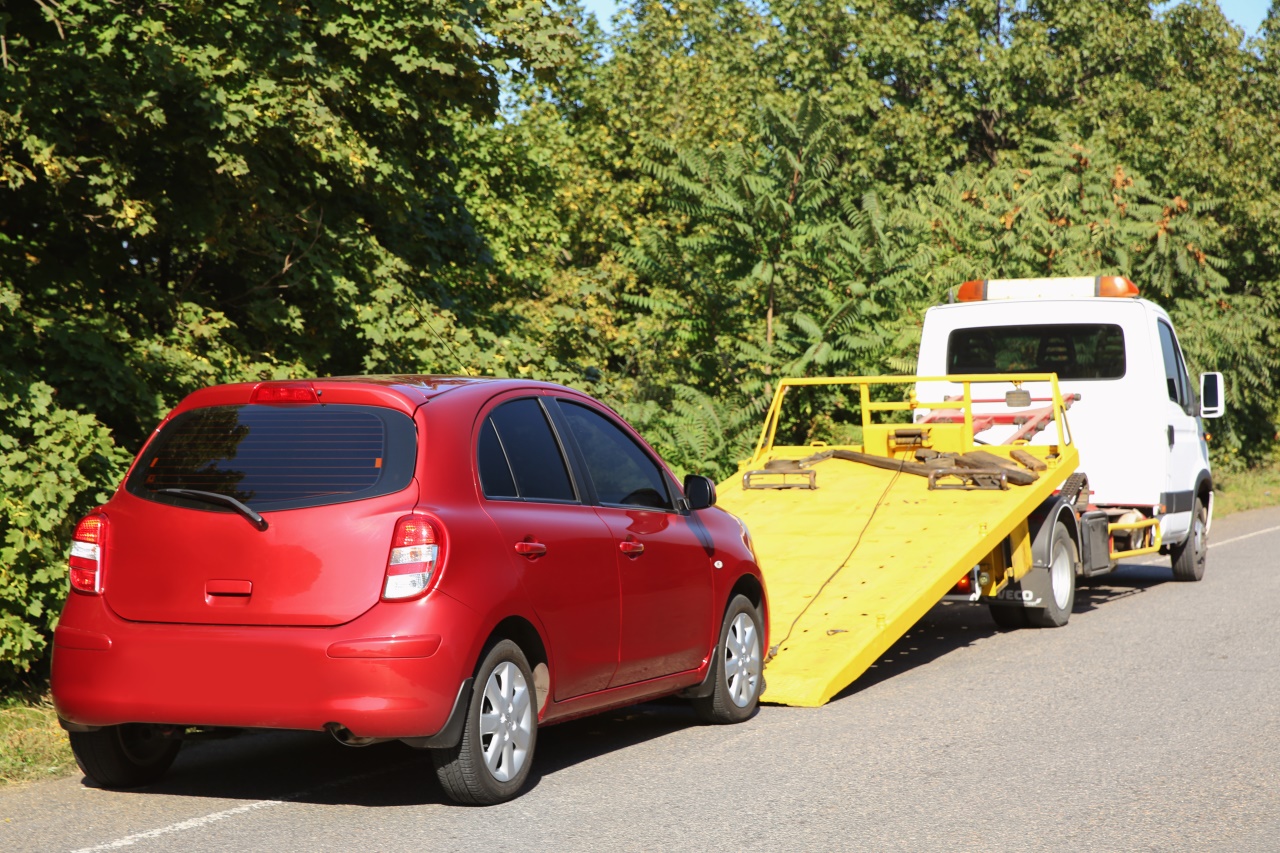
451,562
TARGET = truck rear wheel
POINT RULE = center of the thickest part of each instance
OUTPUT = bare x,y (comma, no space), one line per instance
1189,557
1008,618
1062,582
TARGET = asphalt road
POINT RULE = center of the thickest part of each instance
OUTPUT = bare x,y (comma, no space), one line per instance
1150,722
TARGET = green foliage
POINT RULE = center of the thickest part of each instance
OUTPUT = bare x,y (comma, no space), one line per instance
55,465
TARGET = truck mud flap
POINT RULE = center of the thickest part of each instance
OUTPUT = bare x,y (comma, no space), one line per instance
1095,543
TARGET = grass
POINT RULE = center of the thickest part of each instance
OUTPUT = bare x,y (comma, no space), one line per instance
1244,490
34,747
32,744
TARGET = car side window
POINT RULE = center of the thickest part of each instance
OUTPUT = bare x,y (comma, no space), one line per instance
1175,372
518,455
623,474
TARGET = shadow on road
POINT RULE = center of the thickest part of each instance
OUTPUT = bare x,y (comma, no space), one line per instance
1127,580
951,625
310,767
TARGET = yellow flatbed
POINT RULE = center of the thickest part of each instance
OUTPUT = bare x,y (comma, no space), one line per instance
854,554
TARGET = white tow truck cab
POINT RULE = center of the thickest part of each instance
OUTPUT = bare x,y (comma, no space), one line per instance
1134,415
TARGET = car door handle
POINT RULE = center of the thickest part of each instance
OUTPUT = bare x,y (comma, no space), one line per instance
531,549
631,548
1171,435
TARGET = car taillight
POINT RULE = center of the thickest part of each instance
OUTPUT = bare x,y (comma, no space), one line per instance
87,547
411,566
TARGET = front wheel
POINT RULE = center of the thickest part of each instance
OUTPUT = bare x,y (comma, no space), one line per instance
1189,557
491,763
1062,582
125,756
737,666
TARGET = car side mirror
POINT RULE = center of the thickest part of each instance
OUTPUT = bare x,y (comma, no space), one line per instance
1212,398
699,491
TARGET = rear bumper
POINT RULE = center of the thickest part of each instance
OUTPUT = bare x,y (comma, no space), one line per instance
380,675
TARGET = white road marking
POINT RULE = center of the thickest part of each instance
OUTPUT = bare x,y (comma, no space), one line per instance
183,826
205,820
1245,536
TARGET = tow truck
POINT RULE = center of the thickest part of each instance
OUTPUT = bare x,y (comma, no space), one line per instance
963,485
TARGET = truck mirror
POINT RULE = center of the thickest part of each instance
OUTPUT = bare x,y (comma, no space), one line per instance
699,491
1212,404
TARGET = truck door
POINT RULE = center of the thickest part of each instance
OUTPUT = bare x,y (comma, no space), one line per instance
1182,432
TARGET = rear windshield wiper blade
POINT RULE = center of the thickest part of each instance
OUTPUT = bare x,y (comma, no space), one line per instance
216,498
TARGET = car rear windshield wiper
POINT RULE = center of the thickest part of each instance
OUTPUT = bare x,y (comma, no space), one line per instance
216,498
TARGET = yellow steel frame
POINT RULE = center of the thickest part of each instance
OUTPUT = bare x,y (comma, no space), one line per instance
852,564
869,406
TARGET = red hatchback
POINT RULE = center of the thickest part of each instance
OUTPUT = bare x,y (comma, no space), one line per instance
451,562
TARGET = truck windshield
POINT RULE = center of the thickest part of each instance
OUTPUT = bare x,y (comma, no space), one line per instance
1073,351
278,457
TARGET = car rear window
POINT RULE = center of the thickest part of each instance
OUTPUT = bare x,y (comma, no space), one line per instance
279,457
1073,351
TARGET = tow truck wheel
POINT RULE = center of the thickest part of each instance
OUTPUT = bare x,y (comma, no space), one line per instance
125,756
1062,582
737,663
1008,618
1189,557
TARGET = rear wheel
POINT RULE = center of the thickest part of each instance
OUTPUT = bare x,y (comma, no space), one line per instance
1062,582
125,756
491,763
1008,618
1189,557
737,666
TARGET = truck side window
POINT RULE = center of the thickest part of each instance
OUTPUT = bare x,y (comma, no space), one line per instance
1175,371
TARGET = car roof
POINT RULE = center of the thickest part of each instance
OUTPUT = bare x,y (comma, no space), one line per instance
399,391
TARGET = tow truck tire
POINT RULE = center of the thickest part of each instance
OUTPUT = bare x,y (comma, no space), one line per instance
737,666
1189,557
1008,618
1063,559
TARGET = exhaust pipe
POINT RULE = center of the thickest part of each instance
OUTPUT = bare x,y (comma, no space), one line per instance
343,735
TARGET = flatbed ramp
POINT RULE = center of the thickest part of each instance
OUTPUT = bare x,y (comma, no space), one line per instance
854,554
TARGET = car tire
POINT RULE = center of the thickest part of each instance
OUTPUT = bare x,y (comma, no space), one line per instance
1063,557
737,666
491,762
1189,557
1008,618
125,756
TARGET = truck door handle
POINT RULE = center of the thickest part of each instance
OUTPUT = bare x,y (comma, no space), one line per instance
1171,435
531,549
631,548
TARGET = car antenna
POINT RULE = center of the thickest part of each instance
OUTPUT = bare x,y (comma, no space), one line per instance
462,368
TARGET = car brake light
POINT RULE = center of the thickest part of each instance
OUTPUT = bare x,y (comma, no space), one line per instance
415,553
86,554
964,586
296,392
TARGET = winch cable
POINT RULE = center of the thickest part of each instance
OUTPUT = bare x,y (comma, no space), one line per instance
773,649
